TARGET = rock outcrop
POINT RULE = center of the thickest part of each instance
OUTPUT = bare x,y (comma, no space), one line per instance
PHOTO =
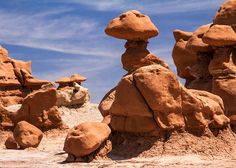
38,108
16,79
150,99
210,64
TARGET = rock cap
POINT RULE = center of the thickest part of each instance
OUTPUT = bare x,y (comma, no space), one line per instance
132,25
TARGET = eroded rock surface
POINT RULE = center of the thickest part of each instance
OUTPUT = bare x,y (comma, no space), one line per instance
213,66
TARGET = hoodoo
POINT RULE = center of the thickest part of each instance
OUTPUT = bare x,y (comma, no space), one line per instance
210,63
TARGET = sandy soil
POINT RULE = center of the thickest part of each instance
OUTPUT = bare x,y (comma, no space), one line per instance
50,151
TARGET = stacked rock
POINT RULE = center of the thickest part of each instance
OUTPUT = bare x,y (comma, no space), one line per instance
211,65
70,92
136,28
150,99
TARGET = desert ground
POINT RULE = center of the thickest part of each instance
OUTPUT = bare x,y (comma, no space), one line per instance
50,151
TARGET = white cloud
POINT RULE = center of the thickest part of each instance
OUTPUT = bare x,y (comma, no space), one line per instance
150,6
67,33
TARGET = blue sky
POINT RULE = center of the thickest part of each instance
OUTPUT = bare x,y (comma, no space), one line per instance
63,37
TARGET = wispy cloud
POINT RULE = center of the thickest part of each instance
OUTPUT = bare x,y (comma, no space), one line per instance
67,33
150,6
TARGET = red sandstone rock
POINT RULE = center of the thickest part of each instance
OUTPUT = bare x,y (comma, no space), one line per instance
132,25
68,81
220,35
226,14
183,59
159,101
39,108
106,102
164,97
179,34
137,55
85,138
11,143
27,135
137,110
195,43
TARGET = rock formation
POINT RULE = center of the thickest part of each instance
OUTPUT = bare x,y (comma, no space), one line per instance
16,79
38,108
27,135
209,63
70,92
150,93
86,138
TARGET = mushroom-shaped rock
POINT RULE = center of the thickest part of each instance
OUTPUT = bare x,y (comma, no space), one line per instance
27,135
132,25
11,143
63,80
77,78
76,95
226,14
220,35
85,138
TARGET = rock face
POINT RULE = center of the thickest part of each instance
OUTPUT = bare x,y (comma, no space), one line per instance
86,138
213,66
27,135
16,79
150,99
38,108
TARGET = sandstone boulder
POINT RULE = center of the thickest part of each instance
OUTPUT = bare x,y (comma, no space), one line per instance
132,25
27,135
11,143
85,138
39,108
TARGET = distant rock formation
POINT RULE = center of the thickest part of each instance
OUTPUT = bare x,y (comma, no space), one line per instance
206,58
38,108
16,79
70,92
